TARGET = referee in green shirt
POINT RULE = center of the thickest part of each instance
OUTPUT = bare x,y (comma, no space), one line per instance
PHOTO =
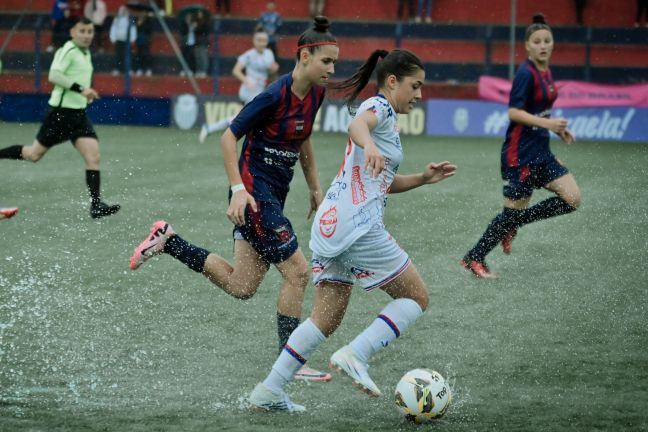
71,74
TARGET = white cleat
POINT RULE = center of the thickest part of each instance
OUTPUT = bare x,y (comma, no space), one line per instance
345,360
202,136
262,398
152,245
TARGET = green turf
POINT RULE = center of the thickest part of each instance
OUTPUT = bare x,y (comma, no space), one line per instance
558,343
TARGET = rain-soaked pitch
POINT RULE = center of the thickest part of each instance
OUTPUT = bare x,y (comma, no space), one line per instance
558,342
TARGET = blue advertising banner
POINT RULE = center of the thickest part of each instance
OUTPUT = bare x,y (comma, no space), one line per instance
490,119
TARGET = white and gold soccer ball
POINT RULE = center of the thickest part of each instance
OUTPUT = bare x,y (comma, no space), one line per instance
422,395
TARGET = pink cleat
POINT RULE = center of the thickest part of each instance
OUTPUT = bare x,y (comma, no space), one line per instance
8,212
313,375
152,245
478,268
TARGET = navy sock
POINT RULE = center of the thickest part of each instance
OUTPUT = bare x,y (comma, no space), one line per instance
188,254
93,180
501,224
285,326
11,152
546,209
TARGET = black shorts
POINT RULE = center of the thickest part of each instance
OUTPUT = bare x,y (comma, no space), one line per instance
63,124
520,181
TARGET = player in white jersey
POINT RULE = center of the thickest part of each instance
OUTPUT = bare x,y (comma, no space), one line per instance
349,239
252,69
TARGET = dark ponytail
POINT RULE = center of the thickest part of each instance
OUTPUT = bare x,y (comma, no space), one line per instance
398,62
316,36
538,23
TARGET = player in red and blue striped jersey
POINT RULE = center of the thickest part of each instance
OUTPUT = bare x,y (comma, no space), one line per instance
277,125
527,162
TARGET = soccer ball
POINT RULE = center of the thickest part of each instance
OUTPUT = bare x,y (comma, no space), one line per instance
422,395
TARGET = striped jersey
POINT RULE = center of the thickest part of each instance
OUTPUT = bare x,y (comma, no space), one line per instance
533,91
275,124
355,201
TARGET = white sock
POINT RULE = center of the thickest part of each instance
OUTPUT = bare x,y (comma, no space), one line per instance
301,344
219,125
394,319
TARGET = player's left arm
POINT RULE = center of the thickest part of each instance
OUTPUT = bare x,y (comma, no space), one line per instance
58,77
433,173
309,167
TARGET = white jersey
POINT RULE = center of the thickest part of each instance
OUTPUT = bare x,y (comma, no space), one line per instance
257,66
355,201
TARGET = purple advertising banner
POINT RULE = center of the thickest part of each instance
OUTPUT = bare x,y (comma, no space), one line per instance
489,119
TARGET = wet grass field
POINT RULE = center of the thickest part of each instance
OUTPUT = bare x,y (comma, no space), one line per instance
557,343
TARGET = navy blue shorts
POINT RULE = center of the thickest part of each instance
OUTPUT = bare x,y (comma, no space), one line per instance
520,181
269,232
62,124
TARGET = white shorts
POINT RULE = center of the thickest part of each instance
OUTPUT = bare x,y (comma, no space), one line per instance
374,260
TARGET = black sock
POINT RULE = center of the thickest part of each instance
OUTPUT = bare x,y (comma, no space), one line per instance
188,254
11,152
93,180
554,206
500,225
285,326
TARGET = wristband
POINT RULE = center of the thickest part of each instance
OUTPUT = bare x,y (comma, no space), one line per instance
76,87
237,188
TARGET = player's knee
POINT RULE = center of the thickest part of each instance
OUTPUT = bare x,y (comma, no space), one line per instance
422,299
242,291
31,156
299,276
573,199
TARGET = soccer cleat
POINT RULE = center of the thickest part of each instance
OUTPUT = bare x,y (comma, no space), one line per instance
102,209
204,132
262,398
479,269
152,245
345,360
309,374
508,240
8,212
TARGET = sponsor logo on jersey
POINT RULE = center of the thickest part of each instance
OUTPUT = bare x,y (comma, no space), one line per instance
299,126
328,222
358,193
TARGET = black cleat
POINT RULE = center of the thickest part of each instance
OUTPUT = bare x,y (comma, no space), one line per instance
102,209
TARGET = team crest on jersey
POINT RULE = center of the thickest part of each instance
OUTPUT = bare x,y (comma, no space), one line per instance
283,234
360,273
299,126
328,222
358,193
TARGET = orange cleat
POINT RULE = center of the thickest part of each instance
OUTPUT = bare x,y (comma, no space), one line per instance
478,268
8,212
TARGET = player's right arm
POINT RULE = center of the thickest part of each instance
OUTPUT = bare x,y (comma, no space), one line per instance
360,132
240,198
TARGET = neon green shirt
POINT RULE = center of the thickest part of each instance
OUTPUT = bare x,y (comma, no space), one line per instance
76,65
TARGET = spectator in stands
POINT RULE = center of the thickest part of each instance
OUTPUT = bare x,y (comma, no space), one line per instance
123,33
527,162
316,7
61,26
201,49
580,8
188,35
143,59
428,11
252,69
71,74
642,9
410,8
271,22
223,6
95,11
